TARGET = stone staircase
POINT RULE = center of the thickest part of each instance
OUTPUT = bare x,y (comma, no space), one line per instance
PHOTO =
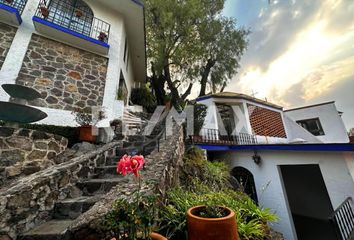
88,191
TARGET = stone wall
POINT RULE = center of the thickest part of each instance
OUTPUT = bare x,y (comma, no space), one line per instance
30,200
7,34
161,172
67,77
25,151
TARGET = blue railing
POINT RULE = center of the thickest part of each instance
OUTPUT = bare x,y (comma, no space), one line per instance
18,4
79,20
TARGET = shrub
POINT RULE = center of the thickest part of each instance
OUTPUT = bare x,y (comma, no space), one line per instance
206,183
143,97
128,221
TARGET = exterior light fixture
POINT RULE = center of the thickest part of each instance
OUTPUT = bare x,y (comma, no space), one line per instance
256,158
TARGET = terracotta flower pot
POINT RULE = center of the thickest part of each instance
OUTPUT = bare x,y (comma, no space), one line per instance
78,13
156,236
211,228
85,134
44,11
102,37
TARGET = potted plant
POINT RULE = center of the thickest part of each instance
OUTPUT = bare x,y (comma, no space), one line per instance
9,1
211,222
78,13
102,37
88,129
133,220
44,11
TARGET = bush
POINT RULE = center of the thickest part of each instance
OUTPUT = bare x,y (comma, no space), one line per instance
128,221
206,183
143,97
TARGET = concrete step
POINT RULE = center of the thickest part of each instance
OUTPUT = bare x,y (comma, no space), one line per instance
72,208
51,230
110,169
92,187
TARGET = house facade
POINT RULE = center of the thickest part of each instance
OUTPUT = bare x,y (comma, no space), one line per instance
304,175
79,54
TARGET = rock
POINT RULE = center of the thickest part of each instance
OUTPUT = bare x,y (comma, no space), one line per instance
75,75
12,171
6,131
20,143
43,81
38,135
10,157
71,88
54,146
28,170
5,237
84,147
36,154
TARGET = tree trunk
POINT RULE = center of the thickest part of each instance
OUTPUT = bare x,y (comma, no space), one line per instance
158,84
176,100
205,75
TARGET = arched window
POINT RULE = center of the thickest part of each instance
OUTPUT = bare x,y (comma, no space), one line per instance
245,181
73,14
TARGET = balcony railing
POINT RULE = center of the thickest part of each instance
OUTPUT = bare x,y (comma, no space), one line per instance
17,4
77,20
213,136
343,220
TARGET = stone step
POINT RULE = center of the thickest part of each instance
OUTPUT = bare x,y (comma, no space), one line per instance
72,208
51,230
109,169
92,187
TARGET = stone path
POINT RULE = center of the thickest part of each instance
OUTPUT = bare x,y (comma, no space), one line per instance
91,191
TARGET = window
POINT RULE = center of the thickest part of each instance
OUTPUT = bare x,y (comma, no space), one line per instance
312,125
63,13
122,93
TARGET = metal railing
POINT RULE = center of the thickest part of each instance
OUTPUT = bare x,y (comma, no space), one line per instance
213,136
343,220
18,4
80,20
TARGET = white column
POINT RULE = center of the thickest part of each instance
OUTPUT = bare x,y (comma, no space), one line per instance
13,62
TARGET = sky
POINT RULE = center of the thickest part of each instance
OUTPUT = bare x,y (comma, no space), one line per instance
300,52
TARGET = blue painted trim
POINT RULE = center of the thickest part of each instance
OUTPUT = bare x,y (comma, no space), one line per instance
12,10
138,3
335,147
203,98
66,30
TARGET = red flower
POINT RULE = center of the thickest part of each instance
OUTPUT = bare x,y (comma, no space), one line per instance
128,164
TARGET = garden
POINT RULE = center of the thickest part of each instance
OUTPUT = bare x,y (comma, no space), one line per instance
202,183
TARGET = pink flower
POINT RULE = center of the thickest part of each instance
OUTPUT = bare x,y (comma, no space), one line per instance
128,164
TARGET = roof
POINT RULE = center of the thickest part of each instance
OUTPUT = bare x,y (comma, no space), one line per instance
318,147
233,95
309,106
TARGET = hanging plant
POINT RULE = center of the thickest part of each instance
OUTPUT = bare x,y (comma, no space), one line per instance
78,13
44,11
102,37
9,1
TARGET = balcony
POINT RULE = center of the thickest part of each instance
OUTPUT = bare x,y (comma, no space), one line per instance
11,10
74,26
213,137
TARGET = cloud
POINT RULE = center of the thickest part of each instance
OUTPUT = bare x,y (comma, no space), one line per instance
298,51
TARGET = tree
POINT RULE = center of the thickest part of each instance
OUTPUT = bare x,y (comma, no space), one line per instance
188,41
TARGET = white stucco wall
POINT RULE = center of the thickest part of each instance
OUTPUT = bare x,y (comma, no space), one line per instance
270,192
17,51
332,123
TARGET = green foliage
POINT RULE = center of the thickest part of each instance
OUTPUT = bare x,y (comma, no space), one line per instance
200,112
129,221
143,97
211,212
206,183
189,41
